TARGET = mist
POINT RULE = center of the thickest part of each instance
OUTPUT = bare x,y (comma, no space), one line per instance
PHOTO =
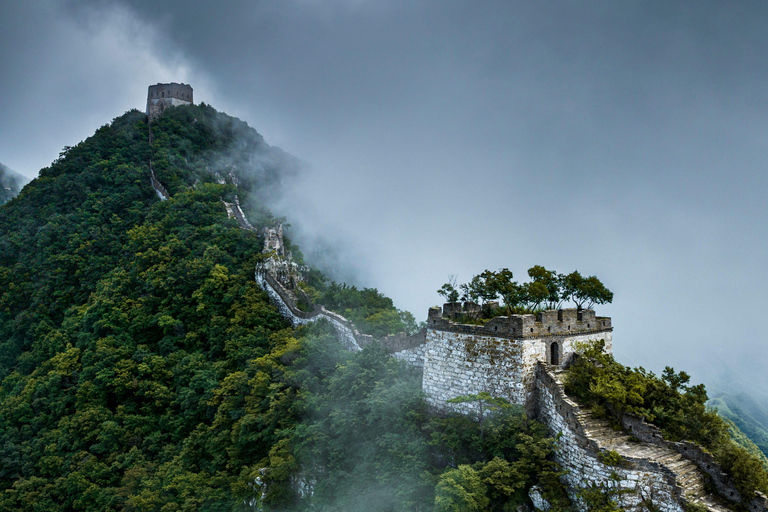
623,140
10,184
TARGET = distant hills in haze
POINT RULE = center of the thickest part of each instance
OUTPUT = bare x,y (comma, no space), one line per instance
748,412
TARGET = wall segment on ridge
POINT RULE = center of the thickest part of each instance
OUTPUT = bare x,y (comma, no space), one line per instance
460,362
402,346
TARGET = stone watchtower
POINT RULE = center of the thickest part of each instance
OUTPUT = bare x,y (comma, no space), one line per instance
162,96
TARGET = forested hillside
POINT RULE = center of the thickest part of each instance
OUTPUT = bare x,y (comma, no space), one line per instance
141,368
748,413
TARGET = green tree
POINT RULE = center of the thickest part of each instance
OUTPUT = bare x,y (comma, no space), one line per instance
449,291
510,291
552,282
461,490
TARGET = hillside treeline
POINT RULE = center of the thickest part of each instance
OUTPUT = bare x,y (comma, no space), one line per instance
142,369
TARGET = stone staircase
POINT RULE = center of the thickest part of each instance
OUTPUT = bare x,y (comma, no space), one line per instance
687,474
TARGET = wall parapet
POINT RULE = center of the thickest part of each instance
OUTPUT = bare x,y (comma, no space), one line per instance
704,460
552,322
641,447
352,338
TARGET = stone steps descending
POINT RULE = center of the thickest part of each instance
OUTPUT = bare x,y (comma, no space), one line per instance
687,474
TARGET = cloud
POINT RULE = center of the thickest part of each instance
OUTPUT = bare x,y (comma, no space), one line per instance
625,139
66,72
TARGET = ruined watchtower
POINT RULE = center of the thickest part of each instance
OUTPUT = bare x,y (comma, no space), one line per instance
162,96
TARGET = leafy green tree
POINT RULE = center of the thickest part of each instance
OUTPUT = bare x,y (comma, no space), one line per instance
510,291
551,280
585,291
534,294
461,490
449,291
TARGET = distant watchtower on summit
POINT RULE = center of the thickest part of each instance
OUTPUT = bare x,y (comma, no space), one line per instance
162,96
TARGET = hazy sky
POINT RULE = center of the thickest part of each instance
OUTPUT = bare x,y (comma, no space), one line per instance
623,139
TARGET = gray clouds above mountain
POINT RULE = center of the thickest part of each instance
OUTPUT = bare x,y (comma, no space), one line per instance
625,139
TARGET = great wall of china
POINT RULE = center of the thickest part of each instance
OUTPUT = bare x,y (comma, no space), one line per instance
522,358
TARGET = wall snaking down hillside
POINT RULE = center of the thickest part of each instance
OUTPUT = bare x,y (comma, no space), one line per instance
402,346
514,363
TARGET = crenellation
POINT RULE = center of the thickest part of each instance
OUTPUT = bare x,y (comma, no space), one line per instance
518,357
162,96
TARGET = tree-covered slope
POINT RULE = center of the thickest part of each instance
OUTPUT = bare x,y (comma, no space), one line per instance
121,320
748,413
141,368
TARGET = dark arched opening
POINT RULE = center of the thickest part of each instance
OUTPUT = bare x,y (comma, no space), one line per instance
554,354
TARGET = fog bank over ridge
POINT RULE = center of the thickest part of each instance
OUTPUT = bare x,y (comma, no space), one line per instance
623,140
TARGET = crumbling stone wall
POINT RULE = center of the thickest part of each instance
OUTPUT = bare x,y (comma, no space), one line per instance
704,460
286,305
161,191
635,483
407,348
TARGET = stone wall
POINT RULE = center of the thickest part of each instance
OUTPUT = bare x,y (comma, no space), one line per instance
407,348
287,307
162,193
462,359
413,356
162,96
704,460
641,481
565,322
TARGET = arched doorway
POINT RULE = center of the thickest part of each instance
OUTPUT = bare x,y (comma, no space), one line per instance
554,354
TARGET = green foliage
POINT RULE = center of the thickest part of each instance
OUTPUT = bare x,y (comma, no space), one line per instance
601,498
460,490
669,402
141,368
370,311
367,440
133,336
611,458
749,415
546,289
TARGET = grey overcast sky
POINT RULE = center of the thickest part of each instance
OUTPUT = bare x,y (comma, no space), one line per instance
623,139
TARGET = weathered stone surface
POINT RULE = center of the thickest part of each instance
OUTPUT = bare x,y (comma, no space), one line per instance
538,500
460,363
162,96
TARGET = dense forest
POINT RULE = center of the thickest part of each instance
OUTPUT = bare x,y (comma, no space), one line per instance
141,368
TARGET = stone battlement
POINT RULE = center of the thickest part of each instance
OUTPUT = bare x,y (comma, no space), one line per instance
162,96
552,322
